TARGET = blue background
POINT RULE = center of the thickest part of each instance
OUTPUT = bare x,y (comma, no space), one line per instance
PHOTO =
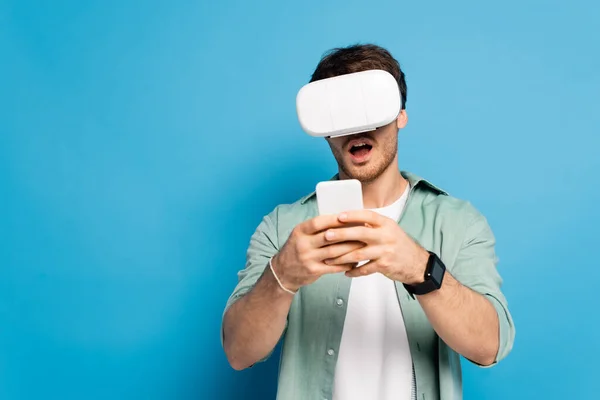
141,142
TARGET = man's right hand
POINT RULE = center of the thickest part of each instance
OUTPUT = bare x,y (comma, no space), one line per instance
301,259
254,324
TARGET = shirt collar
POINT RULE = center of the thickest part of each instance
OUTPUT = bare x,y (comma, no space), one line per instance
415,181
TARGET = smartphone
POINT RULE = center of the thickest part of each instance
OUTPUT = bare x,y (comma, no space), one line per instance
334,197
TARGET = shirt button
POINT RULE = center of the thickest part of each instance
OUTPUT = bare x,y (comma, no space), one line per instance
339,302
330,352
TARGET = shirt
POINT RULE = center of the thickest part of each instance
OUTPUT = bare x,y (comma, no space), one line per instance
452,228
374,360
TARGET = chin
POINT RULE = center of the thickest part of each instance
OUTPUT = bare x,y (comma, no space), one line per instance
363,173
368,171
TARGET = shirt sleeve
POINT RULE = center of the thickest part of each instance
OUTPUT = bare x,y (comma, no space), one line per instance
475,267
263,245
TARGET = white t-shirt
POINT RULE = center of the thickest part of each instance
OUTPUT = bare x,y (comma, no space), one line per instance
374,360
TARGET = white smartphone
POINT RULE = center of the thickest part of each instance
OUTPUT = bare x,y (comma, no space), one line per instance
334,197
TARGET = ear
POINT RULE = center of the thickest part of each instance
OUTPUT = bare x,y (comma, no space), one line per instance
402,119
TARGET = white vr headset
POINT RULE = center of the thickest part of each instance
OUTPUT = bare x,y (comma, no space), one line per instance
348,104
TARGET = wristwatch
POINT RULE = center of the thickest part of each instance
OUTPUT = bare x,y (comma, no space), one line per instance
434,275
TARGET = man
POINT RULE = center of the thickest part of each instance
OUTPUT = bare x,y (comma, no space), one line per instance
369,331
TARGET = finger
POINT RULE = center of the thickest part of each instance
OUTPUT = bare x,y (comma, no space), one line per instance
334,269
354,233
362,217
367,269
357,255
336,250
320,223
321,239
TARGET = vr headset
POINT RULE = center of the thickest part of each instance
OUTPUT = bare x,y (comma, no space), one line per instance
348,104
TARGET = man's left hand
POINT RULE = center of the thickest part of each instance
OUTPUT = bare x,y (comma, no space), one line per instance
388,248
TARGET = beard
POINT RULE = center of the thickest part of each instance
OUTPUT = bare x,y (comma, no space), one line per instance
386,150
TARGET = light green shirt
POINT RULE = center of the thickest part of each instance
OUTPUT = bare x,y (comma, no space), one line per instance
451,228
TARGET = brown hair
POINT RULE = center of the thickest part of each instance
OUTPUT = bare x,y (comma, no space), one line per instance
358,58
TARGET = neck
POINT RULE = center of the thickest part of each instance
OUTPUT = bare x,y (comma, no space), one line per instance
385,189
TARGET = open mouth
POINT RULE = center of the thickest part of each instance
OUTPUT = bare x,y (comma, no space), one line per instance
360,150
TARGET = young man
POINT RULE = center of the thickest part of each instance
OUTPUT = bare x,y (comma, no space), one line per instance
390,329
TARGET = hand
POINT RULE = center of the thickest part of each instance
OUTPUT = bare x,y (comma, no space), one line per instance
301,260
390,250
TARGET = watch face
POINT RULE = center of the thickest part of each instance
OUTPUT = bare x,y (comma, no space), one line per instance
437,272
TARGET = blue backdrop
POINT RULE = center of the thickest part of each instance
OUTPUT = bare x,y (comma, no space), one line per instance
141,142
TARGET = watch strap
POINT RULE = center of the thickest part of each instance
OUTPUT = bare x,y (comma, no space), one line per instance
429,284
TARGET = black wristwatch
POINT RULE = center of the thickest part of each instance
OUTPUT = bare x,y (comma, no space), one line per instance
434,275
